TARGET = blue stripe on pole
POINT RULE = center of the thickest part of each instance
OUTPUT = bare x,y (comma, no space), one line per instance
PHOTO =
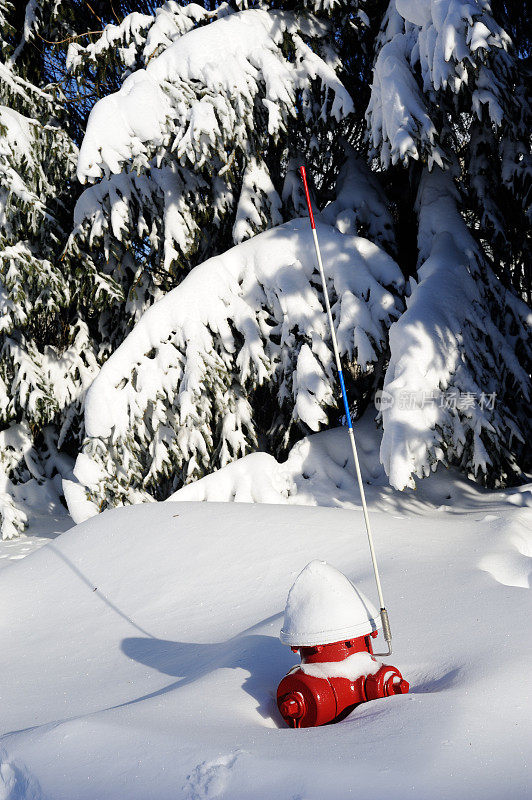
344,395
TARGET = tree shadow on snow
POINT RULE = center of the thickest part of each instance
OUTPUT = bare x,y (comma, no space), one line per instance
263,657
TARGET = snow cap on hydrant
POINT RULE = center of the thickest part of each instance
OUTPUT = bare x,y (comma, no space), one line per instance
324,607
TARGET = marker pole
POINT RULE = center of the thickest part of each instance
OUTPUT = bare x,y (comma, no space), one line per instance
384,614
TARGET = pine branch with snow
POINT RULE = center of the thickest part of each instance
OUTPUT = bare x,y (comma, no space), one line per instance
47,353
182,395
189,157
455,387
428,49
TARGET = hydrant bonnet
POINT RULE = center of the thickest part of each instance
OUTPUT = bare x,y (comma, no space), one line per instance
324,607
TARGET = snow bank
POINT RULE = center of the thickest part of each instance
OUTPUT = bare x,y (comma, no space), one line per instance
257,478
320,471
152,657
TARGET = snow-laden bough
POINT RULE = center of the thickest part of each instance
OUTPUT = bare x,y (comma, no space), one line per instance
191,367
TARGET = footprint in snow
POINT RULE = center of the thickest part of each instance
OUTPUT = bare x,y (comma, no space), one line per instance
209,779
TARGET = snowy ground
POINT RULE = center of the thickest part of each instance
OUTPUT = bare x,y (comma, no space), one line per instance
47,518
141,656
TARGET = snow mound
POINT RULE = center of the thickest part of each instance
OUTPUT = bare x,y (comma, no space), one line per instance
257,478
152,656
323,607
320,471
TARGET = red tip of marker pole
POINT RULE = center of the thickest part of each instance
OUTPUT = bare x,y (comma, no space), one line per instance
307,197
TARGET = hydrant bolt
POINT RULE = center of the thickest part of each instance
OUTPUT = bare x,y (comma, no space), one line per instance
293,705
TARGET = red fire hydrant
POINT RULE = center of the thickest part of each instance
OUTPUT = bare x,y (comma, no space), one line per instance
331,624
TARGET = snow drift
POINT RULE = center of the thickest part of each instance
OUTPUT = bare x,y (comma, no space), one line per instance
152,656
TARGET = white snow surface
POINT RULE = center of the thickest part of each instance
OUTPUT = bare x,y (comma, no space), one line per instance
141,650
323,607
352,667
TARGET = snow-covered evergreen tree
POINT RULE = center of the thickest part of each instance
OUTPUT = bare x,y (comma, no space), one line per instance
199,149
47,353
443,94
456,389
186,392
192,153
